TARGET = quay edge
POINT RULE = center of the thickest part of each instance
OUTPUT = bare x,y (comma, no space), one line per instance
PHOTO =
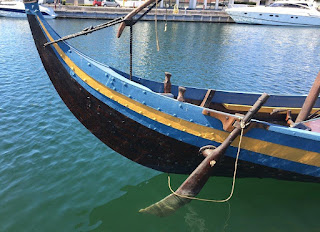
87,12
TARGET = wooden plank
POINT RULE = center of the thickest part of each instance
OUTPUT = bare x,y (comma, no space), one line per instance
314,125
207,98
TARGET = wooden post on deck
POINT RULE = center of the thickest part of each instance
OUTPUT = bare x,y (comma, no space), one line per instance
167,83
180,97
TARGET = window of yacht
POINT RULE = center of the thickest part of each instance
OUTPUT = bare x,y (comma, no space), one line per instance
300,5
276,5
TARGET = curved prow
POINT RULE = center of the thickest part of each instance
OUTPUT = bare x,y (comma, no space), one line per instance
131,15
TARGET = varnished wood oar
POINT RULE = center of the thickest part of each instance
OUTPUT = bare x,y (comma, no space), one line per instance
132,14
310,100
198,178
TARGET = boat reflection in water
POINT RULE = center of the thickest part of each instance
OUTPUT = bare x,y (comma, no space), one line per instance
281,13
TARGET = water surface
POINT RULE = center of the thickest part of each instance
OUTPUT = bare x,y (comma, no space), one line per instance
56,176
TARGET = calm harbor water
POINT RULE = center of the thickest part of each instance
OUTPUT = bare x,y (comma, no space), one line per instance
56,176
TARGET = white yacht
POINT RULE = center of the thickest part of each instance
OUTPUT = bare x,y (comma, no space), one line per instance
281,13
16,9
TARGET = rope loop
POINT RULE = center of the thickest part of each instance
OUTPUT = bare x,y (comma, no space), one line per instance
233,179
243,124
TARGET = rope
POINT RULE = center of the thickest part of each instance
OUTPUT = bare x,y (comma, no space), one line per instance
88,30
156,27
233,180
314,115
147,11
131,41
166,15
91,29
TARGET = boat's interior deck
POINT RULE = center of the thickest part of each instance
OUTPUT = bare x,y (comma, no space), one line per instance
281,110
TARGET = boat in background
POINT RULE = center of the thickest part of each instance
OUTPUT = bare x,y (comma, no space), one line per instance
280,13
16,9
130,3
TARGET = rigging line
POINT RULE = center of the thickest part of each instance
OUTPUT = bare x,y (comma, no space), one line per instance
91,29
156,27
88,30
147,11
314,115
166,16
131,38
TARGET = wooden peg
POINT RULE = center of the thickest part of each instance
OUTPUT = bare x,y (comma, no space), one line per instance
167,82
180,97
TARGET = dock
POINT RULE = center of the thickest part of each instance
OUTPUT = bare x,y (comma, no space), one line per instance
183,15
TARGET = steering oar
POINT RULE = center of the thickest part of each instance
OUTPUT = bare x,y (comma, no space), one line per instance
198,178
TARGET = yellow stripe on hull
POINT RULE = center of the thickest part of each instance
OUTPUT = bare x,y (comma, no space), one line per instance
250,144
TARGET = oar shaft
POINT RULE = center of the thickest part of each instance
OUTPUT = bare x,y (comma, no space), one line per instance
194,183
87,31
198,178
132,14
310,100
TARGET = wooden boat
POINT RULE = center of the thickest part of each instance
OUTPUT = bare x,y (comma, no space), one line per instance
141,122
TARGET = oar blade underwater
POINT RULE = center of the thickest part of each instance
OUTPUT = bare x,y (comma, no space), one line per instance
166,206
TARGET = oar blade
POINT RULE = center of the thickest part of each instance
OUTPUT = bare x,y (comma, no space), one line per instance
166,206
198,178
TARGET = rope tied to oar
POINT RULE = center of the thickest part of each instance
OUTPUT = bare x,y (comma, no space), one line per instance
243,126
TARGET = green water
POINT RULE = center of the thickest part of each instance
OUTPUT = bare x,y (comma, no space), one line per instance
56,176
